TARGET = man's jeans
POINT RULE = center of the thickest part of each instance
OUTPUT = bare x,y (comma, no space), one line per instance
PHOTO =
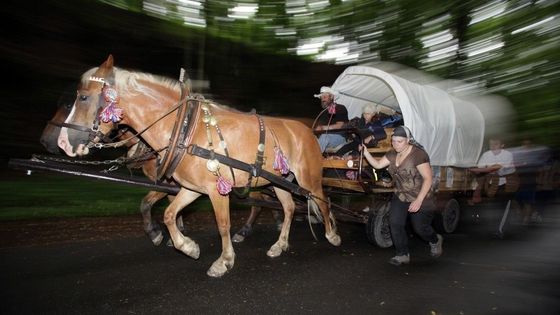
330,140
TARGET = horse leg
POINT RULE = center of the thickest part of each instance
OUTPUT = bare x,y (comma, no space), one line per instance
278,219
248,226
180,223
151,227
289,206
330,224
313,184
181,242
221,211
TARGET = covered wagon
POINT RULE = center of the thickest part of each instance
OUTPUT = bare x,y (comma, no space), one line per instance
451,119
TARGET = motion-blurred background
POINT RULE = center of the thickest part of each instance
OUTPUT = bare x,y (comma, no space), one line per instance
274,55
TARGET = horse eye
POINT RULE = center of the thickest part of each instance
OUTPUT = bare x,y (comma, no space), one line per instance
83,98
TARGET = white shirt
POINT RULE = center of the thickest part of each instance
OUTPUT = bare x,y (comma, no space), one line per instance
504,158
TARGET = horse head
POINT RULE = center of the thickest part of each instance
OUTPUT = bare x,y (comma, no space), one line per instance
49,137
94,111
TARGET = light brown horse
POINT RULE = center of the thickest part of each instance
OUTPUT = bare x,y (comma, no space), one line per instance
147,104
49,139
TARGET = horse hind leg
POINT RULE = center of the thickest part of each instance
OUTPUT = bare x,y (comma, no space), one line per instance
180,241
151,227
289,206
314,185
330,224
247,228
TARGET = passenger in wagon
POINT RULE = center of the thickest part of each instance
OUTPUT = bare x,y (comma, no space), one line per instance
409,166
369,131
333,116
496,173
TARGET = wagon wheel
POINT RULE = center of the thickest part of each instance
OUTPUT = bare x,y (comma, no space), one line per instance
377,228
450,216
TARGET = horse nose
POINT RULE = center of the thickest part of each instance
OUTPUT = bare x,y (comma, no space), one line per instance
49,145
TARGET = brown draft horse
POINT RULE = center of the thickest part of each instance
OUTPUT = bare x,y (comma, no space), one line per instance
49,139
146,103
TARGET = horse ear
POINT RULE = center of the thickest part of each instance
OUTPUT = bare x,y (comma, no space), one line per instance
108,63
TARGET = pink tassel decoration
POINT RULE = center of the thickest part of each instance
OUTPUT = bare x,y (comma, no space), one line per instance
223,186
351,175
111,113
280,162
332,109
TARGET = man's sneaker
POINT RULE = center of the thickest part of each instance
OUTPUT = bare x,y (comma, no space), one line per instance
400,259
436,249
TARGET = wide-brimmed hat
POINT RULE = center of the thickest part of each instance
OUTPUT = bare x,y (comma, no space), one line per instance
325,89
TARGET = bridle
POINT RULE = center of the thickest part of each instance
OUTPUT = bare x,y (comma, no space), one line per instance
106,112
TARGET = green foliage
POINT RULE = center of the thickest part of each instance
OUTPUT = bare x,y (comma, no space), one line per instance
47,196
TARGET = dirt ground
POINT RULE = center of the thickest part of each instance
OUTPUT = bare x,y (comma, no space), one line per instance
67,230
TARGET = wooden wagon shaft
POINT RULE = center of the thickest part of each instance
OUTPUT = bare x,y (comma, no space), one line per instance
50,166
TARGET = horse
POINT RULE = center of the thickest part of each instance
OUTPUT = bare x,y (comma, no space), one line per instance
155,107
49,139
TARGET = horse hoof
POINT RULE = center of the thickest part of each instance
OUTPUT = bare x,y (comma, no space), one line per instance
334,239
275,251
156,239
237,238
192,250
214,273
218,269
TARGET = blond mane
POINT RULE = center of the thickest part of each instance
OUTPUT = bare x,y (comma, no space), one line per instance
128,81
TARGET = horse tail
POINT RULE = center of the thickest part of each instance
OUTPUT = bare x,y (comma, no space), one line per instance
313,206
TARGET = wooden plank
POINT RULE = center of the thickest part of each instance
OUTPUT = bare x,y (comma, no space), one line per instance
343,183
334,163
379,150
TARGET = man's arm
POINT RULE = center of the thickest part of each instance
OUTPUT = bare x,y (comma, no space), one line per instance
485,170
337,125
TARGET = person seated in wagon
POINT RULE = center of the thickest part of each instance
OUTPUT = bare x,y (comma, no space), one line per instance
369,131
333,116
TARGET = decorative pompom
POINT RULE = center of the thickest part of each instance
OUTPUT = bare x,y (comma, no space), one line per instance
223,186
351,175
111,113
280,162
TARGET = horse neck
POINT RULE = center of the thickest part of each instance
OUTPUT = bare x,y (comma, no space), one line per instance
141,110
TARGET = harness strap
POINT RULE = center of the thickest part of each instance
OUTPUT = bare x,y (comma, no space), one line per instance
222,140
92,133
182,120
184,136
259,161
195,150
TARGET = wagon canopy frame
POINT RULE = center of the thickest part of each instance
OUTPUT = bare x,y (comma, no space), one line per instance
448,121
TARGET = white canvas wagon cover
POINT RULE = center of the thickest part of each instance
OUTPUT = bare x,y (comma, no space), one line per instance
450,126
